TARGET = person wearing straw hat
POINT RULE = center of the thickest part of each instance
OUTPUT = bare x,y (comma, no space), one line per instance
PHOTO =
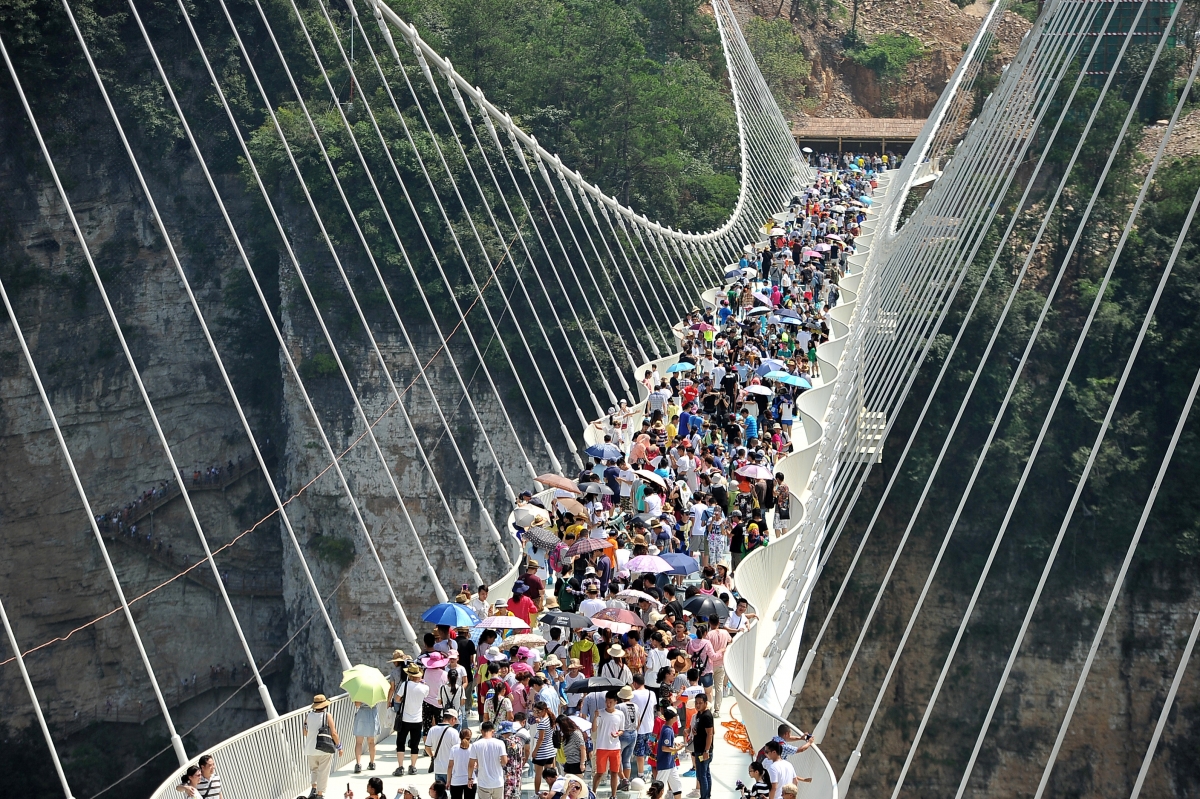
411,701
615,667
320,732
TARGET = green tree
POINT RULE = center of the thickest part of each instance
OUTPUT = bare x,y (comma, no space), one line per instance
780,56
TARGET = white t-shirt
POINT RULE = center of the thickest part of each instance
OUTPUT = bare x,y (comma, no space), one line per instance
606,724
462,761
413,694
627,488
782,774
643,700
735,622
486,752
441,740
590,607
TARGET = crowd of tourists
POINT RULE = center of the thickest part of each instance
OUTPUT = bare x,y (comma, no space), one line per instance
603,672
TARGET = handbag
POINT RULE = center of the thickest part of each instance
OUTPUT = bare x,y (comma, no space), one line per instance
325,737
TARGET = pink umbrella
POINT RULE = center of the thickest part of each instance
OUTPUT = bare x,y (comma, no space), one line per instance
755,472
648,564
618,615
503,623
822,247
812,254
703,327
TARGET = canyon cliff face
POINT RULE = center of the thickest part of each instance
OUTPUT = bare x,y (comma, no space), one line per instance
53,573
1117,711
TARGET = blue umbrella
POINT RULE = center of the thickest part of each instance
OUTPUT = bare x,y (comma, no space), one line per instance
788,313
769,365
794,380
682,366
865,199
608,452
681,564
733,274
784,320
451,614
854,168
776,375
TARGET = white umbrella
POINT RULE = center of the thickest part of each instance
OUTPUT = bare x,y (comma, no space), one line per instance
657,479
759,389
806,149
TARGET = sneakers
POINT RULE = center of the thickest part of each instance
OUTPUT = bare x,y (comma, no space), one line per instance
689,773
358,768
397,773
370,767
412,770
623,785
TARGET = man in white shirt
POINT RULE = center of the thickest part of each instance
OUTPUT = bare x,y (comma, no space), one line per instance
479,603
593,604
488,759
740,618
643,701
410,698
440,741
606,738
780,770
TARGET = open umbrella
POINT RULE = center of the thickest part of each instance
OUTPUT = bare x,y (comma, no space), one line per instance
833,236
608,452
763,298
759,389
758,310
789,312
865,200
755,472
643,518
541,537
776,375
823,247
585,545
618,615
503,623
769,365
651,476
703,327
811,254
596,490
531,640
733,274
365,684
618,627
682,366
531,514
681,564
575,621
631,595
591,685
705,606
573,506
784,320
795,380
806,149
557,481
451,614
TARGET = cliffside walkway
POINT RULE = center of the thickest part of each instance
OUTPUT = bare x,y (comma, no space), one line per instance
125,526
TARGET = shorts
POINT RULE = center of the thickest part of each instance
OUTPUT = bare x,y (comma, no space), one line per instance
548,761
572,768
698,543
608,761
670,778
706,680
644,746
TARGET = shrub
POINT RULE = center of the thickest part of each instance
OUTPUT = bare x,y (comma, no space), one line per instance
888,54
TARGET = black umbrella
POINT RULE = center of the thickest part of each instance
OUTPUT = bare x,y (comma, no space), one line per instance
541,537
593,685
573,620
704,606
596,488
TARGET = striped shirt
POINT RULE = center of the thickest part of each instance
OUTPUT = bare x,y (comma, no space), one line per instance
545,750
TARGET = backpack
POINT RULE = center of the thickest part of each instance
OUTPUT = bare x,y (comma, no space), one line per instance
699,661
